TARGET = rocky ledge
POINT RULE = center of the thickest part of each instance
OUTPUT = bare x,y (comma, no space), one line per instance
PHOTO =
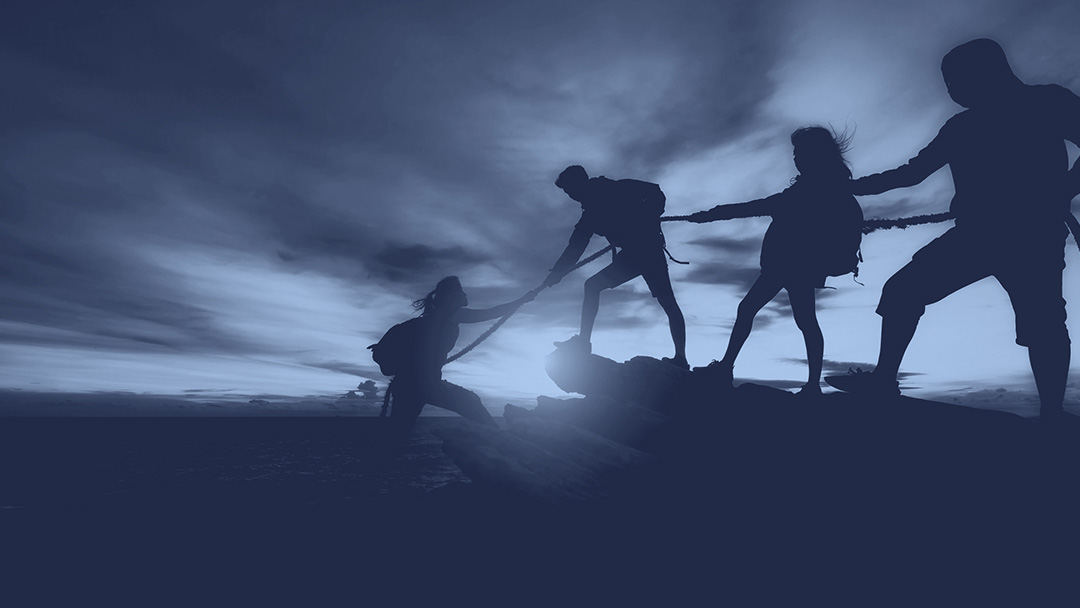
762,480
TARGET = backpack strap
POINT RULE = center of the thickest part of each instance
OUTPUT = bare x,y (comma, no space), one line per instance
663,240
672,258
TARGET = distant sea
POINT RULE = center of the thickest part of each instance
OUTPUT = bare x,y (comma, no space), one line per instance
65,463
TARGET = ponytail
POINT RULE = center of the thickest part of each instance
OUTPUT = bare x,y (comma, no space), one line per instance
429,302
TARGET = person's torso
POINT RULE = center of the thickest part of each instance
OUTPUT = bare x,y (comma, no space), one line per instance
1009,162
436,339
812,225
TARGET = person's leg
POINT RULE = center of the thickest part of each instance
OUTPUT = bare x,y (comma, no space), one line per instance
1050,365
1034,288
407,402
615,274
677,325
761,293
653,268
803,308
900,310
590,307
945,265
463,402
897,332
903,302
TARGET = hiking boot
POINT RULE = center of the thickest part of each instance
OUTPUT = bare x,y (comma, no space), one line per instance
679,362
858,382
718,373
576,344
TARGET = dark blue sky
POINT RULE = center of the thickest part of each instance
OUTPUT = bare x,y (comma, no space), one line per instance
238,197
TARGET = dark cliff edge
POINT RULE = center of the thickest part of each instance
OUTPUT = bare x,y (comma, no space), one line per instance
764,492
648,485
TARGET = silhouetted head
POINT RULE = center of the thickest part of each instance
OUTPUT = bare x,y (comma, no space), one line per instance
573,180
977,73
820,153
447,295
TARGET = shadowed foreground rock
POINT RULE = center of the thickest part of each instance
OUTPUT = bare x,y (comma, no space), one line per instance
625,423
648,415
641,380
897,486
624,496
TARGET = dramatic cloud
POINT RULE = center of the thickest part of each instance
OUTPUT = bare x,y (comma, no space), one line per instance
241,197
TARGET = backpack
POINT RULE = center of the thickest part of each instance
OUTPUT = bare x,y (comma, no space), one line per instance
396,349
621,210
843,245
845,262
636,197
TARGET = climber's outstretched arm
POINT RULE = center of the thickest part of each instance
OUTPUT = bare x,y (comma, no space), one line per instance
472,315
931,158
755,208
579,240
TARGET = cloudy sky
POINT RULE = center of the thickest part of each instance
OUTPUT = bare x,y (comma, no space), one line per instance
234,199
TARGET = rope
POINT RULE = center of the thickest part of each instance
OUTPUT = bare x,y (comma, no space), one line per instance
868,226
903,222
532,294
675,218
873,225
484,336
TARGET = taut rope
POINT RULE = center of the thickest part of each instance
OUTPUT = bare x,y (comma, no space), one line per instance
903,222
871,225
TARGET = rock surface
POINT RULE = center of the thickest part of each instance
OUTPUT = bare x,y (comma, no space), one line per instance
755,448
779,492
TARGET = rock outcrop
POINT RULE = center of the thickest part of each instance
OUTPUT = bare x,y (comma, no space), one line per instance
645,429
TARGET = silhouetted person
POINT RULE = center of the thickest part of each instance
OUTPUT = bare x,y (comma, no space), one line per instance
1013,186
627,212
420,381
815,233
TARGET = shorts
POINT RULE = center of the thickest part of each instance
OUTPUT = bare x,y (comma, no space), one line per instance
1029,269
649,264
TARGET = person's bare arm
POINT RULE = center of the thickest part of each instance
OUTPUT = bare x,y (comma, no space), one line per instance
931,158
472,315
755,208
579,240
